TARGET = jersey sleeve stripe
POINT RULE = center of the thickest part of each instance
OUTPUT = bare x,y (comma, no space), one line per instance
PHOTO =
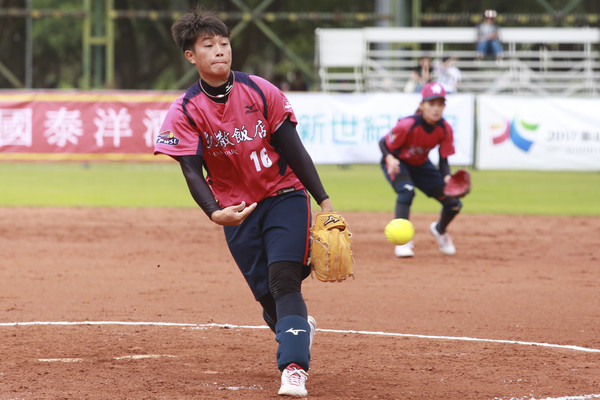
192,92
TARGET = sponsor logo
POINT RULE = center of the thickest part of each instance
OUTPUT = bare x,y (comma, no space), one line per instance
331,219
167,137
518,131
251,108
295,332
436,89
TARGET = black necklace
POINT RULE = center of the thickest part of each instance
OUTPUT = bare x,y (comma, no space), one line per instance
218,92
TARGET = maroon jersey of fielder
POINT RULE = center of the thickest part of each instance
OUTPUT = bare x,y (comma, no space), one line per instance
234,138
411,139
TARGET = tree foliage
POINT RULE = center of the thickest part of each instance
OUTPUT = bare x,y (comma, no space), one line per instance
147,58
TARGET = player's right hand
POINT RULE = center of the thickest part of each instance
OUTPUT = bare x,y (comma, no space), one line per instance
232,215
392,164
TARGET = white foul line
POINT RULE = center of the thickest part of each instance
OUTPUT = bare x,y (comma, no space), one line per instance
468,339
581,397
205,326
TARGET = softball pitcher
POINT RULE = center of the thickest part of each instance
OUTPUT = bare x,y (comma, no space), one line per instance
241,130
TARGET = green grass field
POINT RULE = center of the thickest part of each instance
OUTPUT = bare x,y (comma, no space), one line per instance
352,188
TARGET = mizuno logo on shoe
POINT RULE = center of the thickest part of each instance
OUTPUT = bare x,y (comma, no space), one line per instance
295,331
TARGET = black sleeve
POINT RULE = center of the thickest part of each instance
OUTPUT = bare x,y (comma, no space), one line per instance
287,140
383,147
191,166
444,166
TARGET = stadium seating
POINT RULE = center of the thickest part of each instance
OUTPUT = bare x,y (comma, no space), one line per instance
538,61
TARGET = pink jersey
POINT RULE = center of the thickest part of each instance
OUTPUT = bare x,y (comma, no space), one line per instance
411,139
233,138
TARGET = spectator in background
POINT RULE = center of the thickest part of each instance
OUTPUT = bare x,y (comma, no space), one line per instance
281,83
488,43
298,84
448,74
420,76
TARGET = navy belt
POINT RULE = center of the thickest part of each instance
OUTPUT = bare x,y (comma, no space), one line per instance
285,190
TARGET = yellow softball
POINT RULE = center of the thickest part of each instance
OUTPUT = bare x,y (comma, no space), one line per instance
399,231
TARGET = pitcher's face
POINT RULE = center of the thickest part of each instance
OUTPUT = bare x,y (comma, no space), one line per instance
212,57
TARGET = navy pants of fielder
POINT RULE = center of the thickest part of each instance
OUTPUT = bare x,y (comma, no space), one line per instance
428,179
277,232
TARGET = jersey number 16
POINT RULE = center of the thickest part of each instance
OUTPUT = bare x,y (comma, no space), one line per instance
264,159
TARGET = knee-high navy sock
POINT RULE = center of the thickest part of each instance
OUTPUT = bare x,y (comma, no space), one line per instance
445,219
450,210
292,331
402,210
293,336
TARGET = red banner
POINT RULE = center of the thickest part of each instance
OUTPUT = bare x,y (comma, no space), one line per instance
42,125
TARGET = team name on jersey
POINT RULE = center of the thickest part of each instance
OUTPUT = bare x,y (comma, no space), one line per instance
229,153
418,150
223,139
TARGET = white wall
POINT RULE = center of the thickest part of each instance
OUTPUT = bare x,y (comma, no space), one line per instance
346,128
514,132
538,133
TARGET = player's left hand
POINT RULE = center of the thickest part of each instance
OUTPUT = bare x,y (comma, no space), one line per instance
459,184
232,215
326,206
330,253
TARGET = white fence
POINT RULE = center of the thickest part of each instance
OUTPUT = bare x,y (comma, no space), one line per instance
543,61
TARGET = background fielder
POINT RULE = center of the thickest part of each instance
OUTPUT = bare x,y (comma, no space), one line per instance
405,164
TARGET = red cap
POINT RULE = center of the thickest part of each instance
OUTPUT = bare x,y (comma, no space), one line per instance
432,91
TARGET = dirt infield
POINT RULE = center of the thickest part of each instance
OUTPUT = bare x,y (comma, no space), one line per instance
514,315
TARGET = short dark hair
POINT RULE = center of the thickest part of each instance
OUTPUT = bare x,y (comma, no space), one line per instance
189,27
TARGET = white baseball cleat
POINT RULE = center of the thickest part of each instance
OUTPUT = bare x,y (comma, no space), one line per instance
405,250
313,328
293,380
444,240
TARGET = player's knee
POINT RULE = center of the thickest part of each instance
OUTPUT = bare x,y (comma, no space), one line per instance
451,205
438,194
285,277
405,193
